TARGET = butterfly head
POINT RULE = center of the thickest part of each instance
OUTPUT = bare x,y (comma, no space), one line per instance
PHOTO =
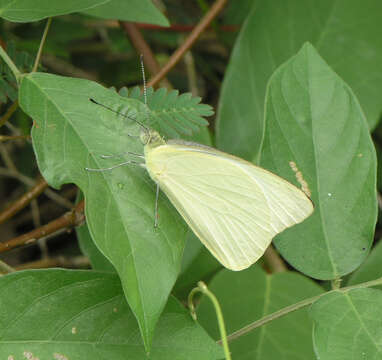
151,138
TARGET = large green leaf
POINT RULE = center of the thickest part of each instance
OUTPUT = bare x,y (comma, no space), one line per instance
71,133
345,32
314,119
26,10
130,10
347,325
82,315
252,294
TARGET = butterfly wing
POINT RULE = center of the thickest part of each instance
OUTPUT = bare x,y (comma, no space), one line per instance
234,207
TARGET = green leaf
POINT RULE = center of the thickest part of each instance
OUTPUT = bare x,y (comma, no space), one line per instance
72,133
26,10
347,35
314,119
130,10
80,315
371,269
251,294
347,325
172,114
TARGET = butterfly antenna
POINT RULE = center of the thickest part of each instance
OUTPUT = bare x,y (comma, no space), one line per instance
118,113
144,80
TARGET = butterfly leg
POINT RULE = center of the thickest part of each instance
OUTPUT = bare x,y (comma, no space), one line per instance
156,207
115,166
122,154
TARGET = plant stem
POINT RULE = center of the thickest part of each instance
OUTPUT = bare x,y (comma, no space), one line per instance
42,42
10,63
202,287
294,307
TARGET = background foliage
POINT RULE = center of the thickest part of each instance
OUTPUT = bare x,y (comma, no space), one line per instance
291,81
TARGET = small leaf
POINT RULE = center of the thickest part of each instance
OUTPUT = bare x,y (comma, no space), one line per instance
347,325
171,114
80,315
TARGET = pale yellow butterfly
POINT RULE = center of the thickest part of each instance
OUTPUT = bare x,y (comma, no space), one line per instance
234,207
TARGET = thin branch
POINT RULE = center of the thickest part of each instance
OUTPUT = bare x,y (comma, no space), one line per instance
23,201
5,268
274,261
143,48
30,182
60,261
9,113
179,28
62,67
7,159
185,28
68,220
14,137
42,42
191,73
198,30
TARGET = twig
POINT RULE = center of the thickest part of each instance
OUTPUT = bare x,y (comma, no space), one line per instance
68,220
191,73
65,68
9,113
14,137
143,48
5,268
185,28
60,261
172,28
7,159
274,261
30,182
177,55
42,42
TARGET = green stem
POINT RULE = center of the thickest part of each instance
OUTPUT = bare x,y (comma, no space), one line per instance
202,287
10,63
42,42
294,307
